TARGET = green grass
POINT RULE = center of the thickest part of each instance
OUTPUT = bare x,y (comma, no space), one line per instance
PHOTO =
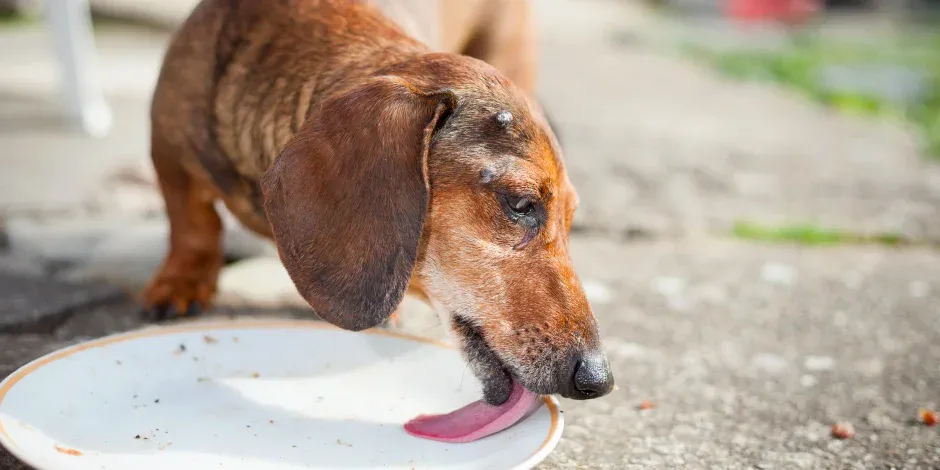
797,66
12,19
810,235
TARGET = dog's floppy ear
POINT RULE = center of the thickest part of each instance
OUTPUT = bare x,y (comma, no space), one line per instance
348,196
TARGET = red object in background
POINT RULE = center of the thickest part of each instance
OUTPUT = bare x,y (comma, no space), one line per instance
790,11
928,417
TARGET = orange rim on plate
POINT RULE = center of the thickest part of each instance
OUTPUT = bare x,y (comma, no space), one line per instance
7,384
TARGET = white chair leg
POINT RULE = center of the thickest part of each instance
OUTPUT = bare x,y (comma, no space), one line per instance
69,23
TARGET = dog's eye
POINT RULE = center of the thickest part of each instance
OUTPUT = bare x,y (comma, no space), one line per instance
525,212
519,205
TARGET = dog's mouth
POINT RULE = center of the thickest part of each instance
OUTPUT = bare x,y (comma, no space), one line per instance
505,400
496,378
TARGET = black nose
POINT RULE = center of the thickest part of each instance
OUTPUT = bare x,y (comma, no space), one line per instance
592,377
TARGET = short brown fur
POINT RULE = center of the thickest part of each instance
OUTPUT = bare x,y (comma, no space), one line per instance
377,167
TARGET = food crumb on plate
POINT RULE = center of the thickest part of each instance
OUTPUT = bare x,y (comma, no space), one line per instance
67,451
927,417
843,431
339,442
157,400
209,340
646,405
271,421
137,436
202,379
255,375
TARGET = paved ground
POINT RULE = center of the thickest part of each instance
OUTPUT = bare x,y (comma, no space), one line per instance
750,352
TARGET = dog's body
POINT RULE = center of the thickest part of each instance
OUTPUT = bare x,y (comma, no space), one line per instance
377,166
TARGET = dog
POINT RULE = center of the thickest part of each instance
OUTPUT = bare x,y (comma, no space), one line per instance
378,166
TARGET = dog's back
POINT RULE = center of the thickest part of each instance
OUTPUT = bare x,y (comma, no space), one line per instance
240,77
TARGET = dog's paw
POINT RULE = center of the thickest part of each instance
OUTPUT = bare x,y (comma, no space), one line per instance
170,297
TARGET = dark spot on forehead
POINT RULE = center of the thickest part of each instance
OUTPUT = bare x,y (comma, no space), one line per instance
504,118
487,176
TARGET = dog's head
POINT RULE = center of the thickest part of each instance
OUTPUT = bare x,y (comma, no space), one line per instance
458,192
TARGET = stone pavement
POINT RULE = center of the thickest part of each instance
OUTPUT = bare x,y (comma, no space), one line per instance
750,352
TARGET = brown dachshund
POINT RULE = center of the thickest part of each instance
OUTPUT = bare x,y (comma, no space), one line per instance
378,167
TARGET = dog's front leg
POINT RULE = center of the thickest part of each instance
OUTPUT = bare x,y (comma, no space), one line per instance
186,282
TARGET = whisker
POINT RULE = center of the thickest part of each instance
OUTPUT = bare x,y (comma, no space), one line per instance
463,375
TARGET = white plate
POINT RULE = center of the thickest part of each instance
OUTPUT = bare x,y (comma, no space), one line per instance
274,394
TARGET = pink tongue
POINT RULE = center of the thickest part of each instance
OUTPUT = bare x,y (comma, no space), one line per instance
476,420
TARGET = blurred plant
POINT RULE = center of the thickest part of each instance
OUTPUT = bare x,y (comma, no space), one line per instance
15,12
801,64
926,113
807,234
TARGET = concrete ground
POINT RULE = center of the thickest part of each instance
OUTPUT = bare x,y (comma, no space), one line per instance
750,352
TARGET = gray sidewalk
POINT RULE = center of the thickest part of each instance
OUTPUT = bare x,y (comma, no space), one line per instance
750,351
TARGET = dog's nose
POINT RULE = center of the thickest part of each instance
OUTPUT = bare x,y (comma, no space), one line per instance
592,377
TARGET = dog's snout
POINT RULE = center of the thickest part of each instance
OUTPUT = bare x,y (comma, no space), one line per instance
592,377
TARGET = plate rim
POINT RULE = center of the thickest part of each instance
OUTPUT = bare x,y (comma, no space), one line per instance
7,384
